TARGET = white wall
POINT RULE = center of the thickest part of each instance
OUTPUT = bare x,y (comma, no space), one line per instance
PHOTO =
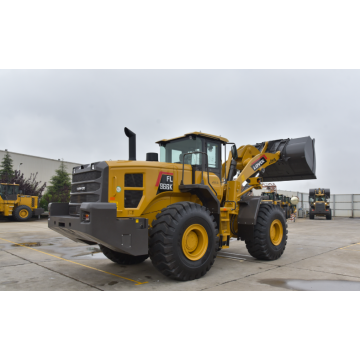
32,164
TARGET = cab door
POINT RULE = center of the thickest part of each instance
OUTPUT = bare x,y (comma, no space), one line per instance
213,151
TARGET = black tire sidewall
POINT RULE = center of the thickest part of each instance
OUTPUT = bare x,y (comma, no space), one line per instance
166,235
202,218
17,211
276,214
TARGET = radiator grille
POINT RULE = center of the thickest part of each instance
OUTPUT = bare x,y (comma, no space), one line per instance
132,198
85,187
32,202
320,206
92,175
133,180
84,198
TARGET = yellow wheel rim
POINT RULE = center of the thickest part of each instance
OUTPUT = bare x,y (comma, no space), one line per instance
276,232
23,213
195,242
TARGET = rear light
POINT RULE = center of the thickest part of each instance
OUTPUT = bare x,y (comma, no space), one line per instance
86,216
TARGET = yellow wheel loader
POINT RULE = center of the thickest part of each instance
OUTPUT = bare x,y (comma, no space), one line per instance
180,211
17,206
269,197
283,203
319,202
272,197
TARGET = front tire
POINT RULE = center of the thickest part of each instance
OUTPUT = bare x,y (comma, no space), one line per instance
121,258
183,241
270,234
329,217
22,213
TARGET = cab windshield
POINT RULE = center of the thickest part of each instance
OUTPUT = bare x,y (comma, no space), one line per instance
174,151
270,195
9,190
320,198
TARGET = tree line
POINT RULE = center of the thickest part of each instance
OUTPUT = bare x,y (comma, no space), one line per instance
57,191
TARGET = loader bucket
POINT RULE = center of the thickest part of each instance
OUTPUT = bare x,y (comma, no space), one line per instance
297,160
312,192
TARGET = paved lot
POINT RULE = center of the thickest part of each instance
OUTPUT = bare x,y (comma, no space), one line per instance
320,255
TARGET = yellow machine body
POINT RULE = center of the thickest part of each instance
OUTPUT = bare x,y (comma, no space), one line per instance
319,202
151,203
10,200
181,210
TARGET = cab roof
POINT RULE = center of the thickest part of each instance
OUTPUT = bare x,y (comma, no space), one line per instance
9,184
197,133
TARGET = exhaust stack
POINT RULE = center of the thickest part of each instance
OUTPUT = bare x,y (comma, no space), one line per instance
132,143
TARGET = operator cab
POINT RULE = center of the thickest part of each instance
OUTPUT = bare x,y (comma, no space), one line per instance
201,151
269,194
9,191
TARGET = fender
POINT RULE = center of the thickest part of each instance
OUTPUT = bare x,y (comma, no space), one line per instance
248,212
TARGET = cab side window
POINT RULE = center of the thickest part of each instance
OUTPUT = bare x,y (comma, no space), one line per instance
212,150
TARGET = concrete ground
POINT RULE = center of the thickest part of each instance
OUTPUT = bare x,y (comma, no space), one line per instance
320,255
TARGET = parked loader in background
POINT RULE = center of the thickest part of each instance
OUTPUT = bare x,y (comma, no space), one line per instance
17,206
319,203
182,210
285,205
278,200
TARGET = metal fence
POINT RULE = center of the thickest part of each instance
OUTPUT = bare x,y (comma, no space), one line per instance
346,205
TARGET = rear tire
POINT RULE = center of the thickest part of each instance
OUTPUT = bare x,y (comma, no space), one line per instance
22,213
270,234
311,217
121,258
183,241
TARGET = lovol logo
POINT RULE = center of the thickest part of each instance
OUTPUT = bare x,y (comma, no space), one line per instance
258,163
80,188
164,182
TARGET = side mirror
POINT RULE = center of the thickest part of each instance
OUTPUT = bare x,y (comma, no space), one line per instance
234,152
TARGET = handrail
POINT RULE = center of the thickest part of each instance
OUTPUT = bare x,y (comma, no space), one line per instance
228,143
231,201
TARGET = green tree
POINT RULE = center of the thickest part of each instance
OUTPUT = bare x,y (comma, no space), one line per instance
59,189
7,171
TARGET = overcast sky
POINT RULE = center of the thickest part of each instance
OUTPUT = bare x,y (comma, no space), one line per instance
80,115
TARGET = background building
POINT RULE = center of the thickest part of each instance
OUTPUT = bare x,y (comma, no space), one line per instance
32,164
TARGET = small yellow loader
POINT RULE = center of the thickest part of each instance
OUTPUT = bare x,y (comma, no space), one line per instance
180,211
319,202
17,206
